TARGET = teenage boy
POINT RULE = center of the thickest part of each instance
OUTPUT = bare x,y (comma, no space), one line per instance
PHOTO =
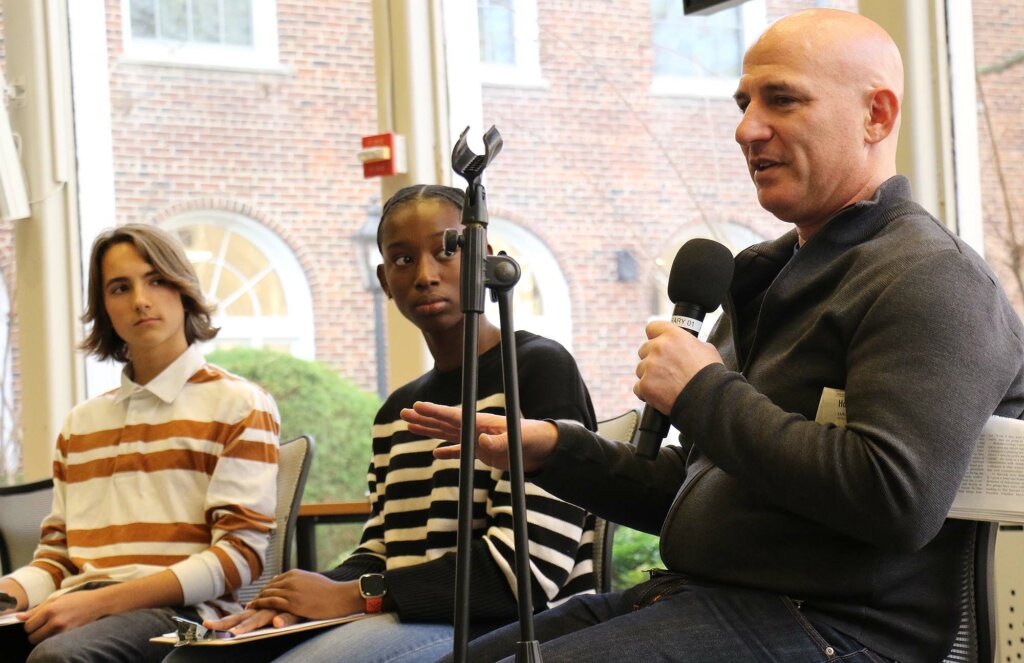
164,489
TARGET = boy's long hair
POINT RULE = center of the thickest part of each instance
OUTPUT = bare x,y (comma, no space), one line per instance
167,256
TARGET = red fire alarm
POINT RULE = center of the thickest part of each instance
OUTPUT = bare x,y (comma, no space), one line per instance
383,155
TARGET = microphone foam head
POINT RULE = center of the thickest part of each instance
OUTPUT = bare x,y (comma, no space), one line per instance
701,274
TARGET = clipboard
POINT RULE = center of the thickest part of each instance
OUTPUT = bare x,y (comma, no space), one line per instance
262,633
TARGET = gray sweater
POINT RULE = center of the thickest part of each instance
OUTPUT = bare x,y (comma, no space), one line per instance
886,304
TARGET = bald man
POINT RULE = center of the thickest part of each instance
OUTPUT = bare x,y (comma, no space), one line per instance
826,427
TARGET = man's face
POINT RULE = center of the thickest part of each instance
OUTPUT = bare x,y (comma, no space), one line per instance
416,273
146,311
802,131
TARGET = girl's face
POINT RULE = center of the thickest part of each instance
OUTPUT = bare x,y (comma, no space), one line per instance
416,273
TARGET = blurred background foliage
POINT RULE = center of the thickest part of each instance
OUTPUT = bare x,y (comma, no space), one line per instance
633,553
314,400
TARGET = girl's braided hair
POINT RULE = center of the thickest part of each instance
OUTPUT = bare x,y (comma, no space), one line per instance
416,193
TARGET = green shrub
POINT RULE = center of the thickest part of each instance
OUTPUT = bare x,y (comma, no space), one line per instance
313,399
633,553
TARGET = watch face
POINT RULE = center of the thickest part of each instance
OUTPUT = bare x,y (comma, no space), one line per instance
372,585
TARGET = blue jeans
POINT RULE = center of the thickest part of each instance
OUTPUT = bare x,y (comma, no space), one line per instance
380,639
123,637
671,619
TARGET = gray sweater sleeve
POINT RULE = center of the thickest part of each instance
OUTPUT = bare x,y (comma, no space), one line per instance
608,479
925,368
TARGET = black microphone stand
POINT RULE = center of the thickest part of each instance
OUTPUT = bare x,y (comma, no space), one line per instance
499,273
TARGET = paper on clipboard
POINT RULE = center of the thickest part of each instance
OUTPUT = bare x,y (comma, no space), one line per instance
260,634
9,620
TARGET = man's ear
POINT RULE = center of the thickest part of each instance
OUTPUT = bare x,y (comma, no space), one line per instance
883,113
383,281
490,251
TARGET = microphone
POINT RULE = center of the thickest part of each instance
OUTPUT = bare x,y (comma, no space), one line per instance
699,280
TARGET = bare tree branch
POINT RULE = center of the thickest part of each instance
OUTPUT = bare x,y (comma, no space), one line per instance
1016,251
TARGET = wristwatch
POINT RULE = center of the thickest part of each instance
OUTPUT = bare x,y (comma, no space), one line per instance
372,588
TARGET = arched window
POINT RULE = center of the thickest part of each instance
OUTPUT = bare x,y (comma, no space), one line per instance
540,301
259,287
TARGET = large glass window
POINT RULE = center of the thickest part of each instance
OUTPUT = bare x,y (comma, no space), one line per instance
608,174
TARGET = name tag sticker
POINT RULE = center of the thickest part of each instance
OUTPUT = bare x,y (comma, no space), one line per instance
832,407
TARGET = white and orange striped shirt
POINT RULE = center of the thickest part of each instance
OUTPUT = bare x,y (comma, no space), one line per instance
176,474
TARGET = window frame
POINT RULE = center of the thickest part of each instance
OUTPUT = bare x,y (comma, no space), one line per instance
263,55
525,72
753,16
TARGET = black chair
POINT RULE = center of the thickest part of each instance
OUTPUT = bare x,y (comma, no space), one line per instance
22,510
975,637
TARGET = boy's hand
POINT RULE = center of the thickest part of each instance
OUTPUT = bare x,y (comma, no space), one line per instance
61,614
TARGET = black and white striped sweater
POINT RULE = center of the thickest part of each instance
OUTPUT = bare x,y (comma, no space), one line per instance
411,532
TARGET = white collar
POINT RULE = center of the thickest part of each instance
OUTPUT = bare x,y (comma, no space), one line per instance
171,380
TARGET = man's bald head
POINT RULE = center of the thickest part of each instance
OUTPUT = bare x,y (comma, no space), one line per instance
821,93
847,45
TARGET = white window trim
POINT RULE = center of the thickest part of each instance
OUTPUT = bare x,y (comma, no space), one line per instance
556,323
966,151
753,16
526,71
262,56
298,326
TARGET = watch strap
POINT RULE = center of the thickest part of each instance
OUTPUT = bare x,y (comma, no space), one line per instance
374,604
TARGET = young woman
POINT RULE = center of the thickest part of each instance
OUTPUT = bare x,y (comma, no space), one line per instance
405,563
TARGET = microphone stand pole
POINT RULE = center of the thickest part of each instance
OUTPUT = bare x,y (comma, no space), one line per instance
500,273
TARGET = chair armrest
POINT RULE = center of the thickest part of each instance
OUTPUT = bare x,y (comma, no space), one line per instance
310,515
354,511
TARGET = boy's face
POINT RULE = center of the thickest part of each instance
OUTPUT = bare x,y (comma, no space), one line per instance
145,311
416,273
